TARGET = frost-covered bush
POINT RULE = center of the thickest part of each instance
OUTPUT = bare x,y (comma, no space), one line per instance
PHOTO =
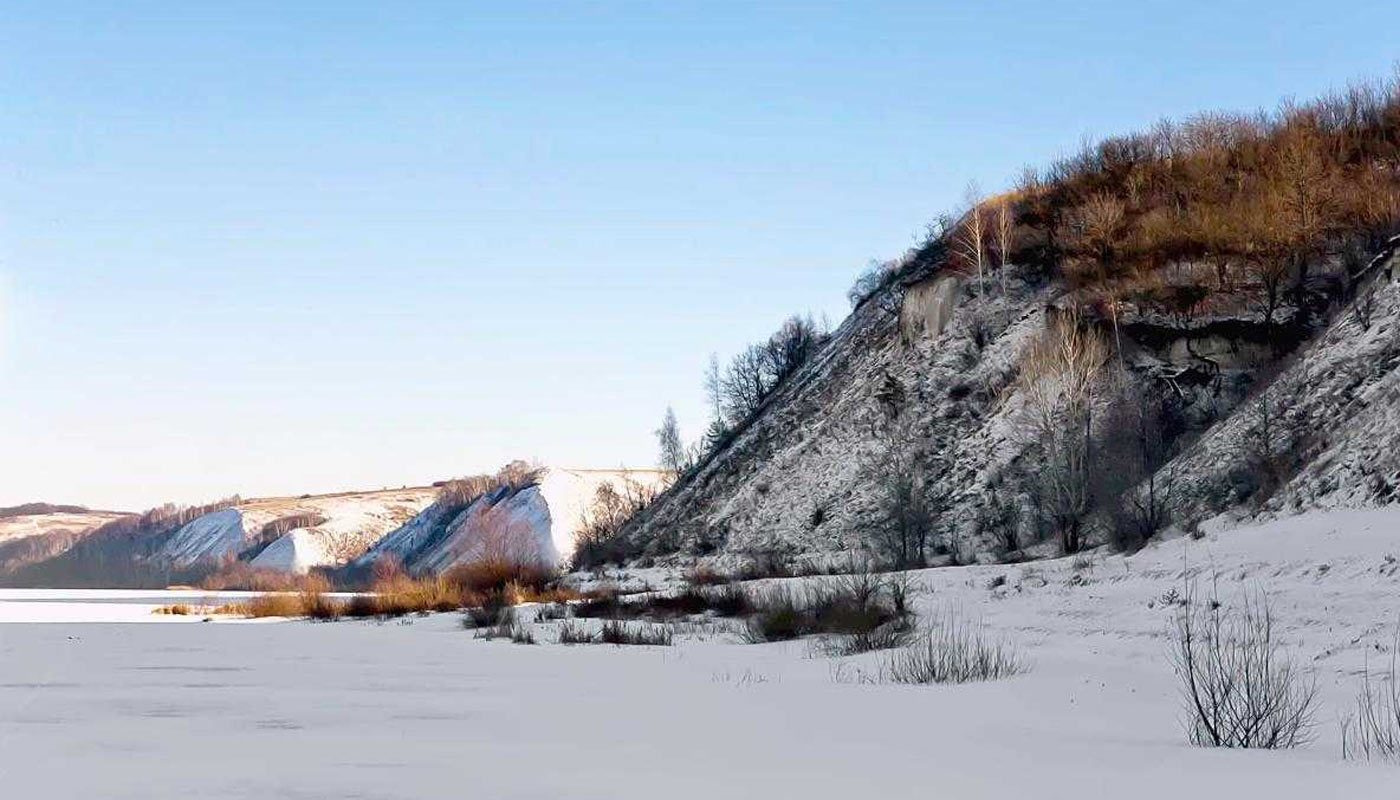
1239,686
954,651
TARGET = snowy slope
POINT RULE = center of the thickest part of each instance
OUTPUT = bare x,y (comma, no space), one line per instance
929,369
296,551
1337,406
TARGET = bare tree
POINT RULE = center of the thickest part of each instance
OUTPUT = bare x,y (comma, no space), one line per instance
970,242
1097,226
1134,479
1005,223
596,540
1304,187
1057,379
754,373
714,388
907,512
672,452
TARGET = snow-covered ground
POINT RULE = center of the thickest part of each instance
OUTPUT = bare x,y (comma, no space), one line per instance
422,709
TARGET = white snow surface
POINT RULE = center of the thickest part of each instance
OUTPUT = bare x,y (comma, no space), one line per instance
422,709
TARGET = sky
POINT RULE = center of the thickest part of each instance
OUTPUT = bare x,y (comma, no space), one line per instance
273,248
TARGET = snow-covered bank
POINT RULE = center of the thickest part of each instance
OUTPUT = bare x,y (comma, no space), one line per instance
422,709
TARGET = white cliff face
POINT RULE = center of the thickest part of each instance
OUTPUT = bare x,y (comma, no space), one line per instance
351,523
296,552
536,523
211,537
569,495
516,527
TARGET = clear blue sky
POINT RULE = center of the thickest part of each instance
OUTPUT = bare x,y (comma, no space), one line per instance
297,247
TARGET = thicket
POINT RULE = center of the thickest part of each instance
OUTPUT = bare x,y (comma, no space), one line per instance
1181,216
597,540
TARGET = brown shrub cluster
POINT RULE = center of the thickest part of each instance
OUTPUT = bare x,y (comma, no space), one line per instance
492,585
1249,200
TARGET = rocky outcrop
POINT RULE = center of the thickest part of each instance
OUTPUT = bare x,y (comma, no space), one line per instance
929,367
1328,422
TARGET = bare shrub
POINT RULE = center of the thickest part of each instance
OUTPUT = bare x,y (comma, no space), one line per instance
571,632
177,610
855,605
892,634
729,601
490,613
764,564
954,651
401,595
238,575
722,601
507,626
550,612
494,571
319,606
313,601
876,276
521,634
705,576
778,617
597,541
621,633
1372,732
1239,686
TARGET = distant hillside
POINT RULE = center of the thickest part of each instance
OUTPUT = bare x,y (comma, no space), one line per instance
36,509
528,513
36,532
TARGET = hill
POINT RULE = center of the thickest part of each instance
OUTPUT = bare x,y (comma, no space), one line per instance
1167,326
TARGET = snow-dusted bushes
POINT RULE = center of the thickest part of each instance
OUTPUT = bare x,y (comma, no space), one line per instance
597,540
868,608
1373,731
1239,686
506,626
571,632
722,601
620,633
953,651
